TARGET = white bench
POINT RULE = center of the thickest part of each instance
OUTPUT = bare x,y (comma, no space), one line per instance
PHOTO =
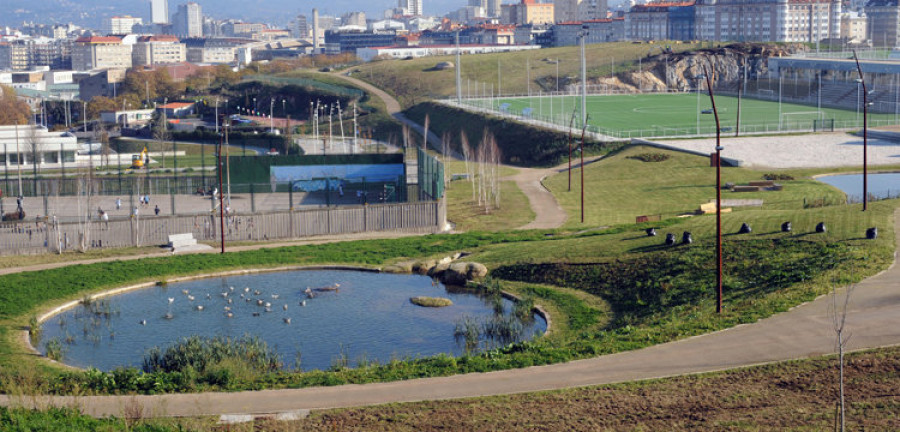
178,241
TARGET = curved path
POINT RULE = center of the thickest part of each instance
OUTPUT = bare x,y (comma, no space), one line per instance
873,320
548,213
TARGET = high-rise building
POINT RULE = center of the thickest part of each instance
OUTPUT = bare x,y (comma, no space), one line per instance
412,7
159,11
354,19
188,21
120,25
301,27
100,52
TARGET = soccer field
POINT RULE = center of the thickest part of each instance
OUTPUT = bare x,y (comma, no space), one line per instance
679,114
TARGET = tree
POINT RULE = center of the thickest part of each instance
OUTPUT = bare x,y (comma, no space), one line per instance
100,104
12,110
34,146
839,319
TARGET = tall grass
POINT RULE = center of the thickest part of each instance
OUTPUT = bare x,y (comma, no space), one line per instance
205,354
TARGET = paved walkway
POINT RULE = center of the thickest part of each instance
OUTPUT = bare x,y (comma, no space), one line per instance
804,331
548,213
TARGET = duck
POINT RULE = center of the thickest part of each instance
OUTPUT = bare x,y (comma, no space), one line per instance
190,298
268,305
246,289
303,303
171,300
259,302
284,307
287,320
184,291
208,296
268,309
275,296
256,314
230,301
229,315
199,307
256,292
224,294
168,316
143,322
230,288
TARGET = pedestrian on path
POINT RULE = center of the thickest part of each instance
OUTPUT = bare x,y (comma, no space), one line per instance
156,210
118,203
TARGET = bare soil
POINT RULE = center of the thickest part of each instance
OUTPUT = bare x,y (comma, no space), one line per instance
798,395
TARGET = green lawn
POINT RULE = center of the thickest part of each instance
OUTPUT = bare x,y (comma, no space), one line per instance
620,188
678,113
467,215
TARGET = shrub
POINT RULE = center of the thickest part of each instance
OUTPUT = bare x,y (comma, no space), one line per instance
650,157
777,176
210,355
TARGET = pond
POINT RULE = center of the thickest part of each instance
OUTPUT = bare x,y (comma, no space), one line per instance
369,316
881,185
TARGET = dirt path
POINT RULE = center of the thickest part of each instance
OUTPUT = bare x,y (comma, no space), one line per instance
548,213
805,331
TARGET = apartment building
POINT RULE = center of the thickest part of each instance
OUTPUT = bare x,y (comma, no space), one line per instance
100,52
159,49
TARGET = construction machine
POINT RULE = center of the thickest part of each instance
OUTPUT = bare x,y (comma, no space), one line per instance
137,161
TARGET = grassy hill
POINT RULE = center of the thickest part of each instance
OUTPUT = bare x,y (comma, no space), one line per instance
414,81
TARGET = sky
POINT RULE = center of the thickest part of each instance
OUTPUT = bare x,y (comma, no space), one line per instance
279,12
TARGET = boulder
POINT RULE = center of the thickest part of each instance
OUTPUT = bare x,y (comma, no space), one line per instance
438,270
476,271
423,267
456,274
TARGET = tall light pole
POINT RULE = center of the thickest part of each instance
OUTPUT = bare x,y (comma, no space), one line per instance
712,100
583,34
217,115
271,117
862,81
458,73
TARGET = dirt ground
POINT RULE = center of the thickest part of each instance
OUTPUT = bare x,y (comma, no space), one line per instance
797,395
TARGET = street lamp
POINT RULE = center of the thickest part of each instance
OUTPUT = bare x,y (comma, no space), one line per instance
719,148
862,81
583,34
284,113
271,119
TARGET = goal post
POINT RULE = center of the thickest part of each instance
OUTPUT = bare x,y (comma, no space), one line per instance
801,120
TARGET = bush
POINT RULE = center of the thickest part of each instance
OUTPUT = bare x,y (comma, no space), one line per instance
777,176
211,356
650,157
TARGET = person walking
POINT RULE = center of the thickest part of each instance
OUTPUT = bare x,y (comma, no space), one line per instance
118,203
156,210
104,216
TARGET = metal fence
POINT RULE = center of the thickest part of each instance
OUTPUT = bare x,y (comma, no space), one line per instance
45,235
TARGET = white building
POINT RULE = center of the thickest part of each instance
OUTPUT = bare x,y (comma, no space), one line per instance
161,49
367,54
767,20
159,11
120,25
20,144
188,21
411,7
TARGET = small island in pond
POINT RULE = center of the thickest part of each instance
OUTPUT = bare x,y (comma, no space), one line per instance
430,301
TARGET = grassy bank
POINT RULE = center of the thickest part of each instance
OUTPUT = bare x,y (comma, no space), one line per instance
414,81
622,187
519,143
796,395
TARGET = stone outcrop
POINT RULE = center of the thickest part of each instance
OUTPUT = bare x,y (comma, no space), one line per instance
680,70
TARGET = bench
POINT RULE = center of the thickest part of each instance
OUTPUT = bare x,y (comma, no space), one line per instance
177,241
762,183
741,188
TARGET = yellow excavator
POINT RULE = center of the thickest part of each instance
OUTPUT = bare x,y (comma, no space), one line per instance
137,161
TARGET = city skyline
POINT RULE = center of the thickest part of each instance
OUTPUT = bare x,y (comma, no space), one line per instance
279,12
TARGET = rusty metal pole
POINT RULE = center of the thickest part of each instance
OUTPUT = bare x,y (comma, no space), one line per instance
572,121
712,100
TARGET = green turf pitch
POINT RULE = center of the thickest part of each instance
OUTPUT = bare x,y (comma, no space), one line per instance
678,113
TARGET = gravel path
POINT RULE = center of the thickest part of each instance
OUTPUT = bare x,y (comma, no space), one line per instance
798,151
